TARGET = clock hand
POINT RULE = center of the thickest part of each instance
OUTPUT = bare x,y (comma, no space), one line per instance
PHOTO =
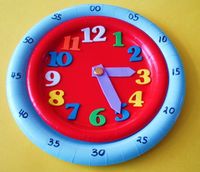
108,90
118,71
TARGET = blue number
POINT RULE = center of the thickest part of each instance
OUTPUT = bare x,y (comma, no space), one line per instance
28,40
135,50
162,39
125,114
95,8
170,110
57,59
133,17
54,143
176,71
23,114
100,152
142,140
74,112
57,16
16,75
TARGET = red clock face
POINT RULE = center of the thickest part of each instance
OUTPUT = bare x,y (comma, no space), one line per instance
69,98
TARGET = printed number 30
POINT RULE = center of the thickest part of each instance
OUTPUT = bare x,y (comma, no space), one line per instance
96,152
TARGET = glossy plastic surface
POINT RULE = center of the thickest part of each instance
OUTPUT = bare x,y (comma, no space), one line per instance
84,152
78,86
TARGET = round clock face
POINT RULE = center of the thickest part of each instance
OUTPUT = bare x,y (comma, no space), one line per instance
91,76
95,85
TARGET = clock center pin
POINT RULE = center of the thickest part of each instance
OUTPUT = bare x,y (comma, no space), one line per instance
98,71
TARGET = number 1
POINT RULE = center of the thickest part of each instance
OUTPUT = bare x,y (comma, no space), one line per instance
118,41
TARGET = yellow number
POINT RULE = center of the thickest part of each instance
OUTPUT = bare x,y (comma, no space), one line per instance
144,74
136,99
56,97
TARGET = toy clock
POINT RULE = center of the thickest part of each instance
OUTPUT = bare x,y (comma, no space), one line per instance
95,85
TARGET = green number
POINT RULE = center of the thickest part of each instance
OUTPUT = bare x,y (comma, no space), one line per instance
97,119
118,41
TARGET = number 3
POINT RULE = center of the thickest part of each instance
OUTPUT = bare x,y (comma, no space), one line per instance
144,74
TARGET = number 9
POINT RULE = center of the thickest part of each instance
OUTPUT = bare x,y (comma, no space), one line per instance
53,77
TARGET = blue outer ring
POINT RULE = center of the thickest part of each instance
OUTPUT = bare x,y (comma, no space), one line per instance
78,151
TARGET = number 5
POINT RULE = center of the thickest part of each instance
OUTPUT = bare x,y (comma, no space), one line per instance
125,114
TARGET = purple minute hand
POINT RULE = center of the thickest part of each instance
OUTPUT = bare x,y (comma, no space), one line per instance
102,74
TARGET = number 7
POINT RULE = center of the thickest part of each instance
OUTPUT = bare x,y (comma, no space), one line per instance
74,112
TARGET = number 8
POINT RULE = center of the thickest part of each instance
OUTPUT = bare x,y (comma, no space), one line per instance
56,97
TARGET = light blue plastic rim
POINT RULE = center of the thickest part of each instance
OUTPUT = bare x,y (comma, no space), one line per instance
78,151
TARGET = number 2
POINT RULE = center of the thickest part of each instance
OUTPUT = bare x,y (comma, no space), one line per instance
135,51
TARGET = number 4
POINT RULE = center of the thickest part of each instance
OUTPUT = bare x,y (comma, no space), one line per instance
136,99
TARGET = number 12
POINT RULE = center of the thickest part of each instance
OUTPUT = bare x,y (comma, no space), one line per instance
100,30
